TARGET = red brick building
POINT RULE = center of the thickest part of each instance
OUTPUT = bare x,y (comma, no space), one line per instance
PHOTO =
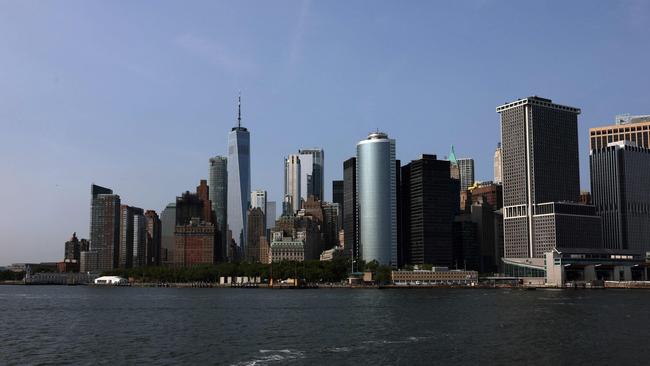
195,244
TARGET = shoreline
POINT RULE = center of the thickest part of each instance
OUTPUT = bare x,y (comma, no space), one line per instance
608,285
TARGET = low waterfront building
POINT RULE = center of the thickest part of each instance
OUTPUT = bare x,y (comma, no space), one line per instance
582,265
68,265
110,280
240,280
54,278
435,276
330,254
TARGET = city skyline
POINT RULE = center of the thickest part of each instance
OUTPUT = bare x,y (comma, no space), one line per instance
72,153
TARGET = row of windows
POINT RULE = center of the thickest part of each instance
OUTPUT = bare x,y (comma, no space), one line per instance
619,130
641,139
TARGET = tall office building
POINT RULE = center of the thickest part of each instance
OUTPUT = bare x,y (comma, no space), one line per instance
350,218
337,197
306,176
498,177
428,205
256,230
466,251
189,206
218,187
167,228
461,169
195,243
239,180
377,198
626,128
620,177
313,173
466,167
258,199
127,216
139,240
337,192
292,177
271,213
330,228
153,245
541,179
203,192
104,229
72,249
454,170
195,236
482,213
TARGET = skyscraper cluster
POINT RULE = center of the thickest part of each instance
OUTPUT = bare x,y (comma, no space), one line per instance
121,236
429,211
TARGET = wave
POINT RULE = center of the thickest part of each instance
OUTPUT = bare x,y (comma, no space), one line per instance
272,356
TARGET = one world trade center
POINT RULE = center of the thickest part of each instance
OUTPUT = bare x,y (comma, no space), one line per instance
239,181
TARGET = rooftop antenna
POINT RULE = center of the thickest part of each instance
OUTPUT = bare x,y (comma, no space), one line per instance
239,111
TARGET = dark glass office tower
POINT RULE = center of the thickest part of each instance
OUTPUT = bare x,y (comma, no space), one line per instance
218,186
337,192
337,197
620,177
540,175
153,243
127,237
168,226
350,219
428,205
104,228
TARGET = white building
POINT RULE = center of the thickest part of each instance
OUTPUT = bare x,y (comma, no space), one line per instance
498,177
292,179
258,199
110,280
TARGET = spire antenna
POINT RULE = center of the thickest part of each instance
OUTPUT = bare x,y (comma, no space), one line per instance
239,111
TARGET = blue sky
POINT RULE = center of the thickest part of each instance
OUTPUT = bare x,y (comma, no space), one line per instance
137,95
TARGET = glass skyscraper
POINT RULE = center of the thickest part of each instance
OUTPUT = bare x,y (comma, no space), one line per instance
377,198
168,226
466,168
104,228
218,194
239,181
313,173
619,188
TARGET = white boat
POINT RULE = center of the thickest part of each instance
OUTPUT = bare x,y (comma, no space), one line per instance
111,280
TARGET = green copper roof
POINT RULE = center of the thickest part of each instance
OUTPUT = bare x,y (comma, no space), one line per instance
452,155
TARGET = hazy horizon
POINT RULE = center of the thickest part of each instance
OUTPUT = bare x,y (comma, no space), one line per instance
137,96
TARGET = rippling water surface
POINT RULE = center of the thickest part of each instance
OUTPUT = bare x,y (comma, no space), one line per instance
116,326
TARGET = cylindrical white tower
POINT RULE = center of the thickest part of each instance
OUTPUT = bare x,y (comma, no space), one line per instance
377,197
